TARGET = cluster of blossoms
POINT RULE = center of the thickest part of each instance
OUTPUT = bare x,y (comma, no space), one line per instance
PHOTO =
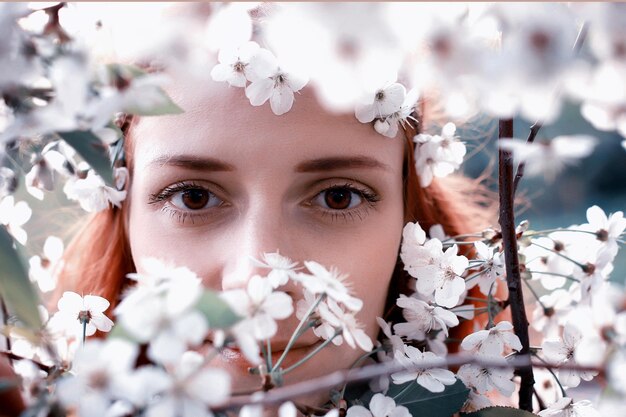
168,311
178,321
57,102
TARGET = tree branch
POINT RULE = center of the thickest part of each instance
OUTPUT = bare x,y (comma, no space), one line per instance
13,356
366,373
513,276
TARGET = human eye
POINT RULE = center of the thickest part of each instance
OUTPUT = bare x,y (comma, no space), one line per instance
345,200
186,201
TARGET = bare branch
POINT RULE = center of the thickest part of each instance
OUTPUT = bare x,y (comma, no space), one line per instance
13,356
513,276
366,373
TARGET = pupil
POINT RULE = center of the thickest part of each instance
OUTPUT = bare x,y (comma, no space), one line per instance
338,199
195,199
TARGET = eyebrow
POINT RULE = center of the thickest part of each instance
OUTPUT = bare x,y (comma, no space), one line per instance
337,163
315,165
192,162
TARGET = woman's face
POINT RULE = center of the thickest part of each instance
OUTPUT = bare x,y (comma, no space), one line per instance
226,181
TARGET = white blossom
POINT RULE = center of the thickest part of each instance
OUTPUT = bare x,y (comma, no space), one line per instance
330,282
233,64
92,193
475,401
143,386
229,26
42,268
492,342
536,56
76,311
604,98
189,394
550,158
438,155
437,272
287,409
492,269
607,229
562,352
282,268
392,344
485,378
549,254
566,407
98,366
433,379
422,317
260,305
159,310
380,406
344,321
552,311
14,215
325,329
271,82
451,285
608,20
388,106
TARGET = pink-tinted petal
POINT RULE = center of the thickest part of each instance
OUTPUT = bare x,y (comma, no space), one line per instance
381,406
430,383
358,411
221,72
96,304
596,217
70,302
258,92
281,100
102,323
365,113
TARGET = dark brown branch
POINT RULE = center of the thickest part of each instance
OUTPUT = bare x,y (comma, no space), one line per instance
513,276
13,356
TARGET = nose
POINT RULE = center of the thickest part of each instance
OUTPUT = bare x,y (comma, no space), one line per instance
260,230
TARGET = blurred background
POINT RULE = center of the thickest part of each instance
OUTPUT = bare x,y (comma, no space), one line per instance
597,180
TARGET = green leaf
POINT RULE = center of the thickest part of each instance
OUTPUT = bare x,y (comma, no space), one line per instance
422,402
146,99
217,311
151,100
93,151
124,70
15,286
500,412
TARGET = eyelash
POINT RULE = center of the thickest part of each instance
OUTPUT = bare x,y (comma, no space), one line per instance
370,199
168,192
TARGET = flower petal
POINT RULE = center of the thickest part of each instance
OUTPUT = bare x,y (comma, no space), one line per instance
258,92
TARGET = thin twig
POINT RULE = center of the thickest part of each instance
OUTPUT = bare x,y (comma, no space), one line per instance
513,276
534,129
366,373
13,356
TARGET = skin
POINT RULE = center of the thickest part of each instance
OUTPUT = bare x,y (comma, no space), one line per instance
263,204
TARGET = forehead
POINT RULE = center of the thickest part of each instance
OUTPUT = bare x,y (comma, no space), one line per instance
219,121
